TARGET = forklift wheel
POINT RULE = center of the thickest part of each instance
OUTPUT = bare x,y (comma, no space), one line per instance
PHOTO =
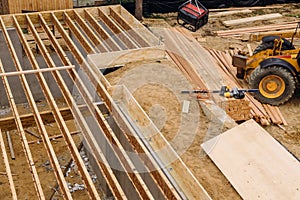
276,84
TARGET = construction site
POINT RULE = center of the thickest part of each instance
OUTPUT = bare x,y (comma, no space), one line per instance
96,104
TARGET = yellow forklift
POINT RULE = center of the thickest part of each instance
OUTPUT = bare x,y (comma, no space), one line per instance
273,69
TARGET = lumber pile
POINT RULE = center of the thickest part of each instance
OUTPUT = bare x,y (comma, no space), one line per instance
201,65
237,109
261,113
239,32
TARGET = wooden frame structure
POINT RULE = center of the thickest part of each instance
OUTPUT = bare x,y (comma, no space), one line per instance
82,32
15,6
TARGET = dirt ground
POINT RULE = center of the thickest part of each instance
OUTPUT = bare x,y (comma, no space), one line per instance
151,95
163,104
19,166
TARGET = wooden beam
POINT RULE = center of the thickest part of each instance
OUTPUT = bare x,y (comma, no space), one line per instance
102,163
36,71
57,115
27,151
256,29
78,56
231,12
120,153
83,41
101,31
7,167
251,19
41,127
88,31
117,31
53,137
103,93
129,30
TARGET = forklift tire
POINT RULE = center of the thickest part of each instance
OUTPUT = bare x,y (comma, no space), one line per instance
276,84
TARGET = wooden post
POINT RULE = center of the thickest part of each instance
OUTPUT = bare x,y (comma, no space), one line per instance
139,9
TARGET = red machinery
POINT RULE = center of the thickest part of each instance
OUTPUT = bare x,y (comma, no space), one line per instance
192,14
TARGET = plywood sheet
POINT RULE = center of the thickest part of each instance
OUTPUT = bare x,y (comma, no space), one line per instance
256,165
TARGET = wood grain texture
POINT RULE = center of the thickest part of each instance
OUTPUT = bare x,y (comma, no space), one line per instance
251,19
17,6
256,164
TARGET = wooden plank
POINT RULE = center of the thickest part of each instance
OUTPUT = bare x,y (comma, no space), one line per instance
58,117
88,31
256,164
53,137
185,179
251,19
165,186
101,32
101,160
129,30
83,41
120,153
16,6
36,71
255,29
7,167
27,151
117,30
39,122
231,12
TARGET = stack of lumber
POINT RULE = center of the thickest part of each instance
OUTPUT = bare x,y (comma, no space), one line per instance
201,65
237,109
240,32
260,112
197,64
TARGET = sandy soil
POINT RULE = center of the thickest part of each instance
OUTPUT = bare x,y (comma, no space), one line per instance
163,104
162,101
151,95
22,176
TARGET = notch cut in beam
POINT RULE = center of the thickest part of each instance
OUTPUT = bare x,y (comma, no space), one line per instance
36,71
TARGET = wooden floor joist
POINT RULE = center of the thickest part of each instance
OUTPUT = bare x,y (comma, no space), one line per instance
82,32
20,128
7,167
